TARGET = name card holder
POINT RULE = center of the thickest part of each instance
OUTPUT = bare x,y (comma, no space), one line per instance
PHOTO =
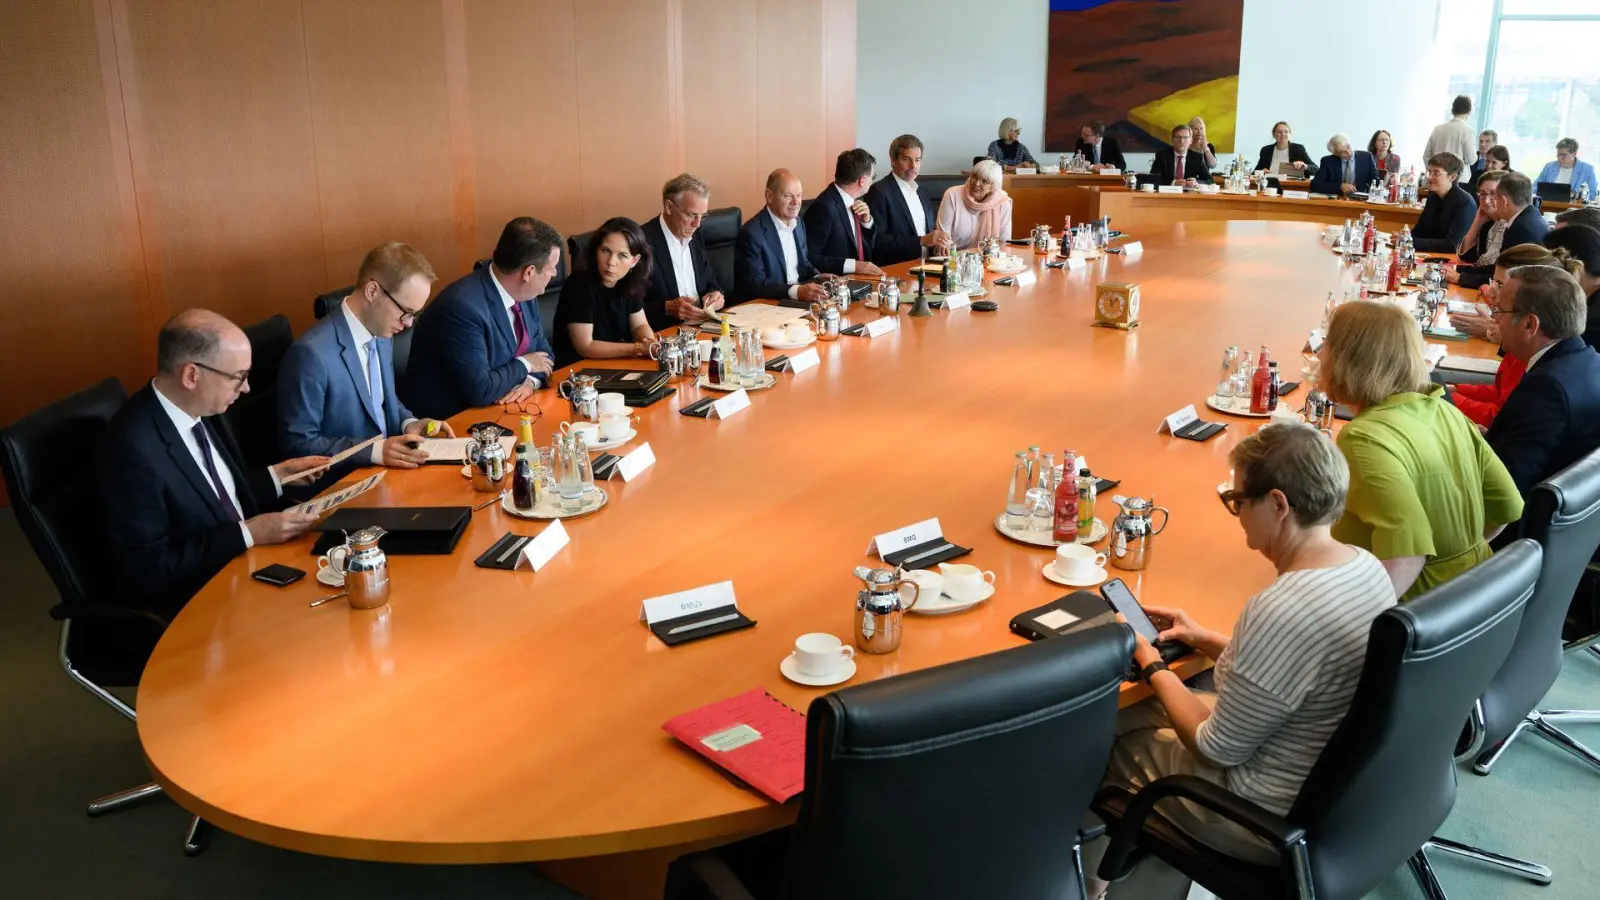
916,546
736,402
693,614
1026,277
1074,262
640,459
1297,195
1133,249
537,553
802,361
1169,188
1187,424
951,301
1022,171
882,326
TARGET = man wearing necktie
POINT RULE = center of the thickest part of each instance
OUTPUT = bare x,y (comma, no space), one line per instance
177,503
839,223
1345,170
336,387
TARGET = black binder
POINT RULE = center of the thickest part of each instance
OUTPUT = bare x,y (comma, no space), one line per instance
411,530
638,387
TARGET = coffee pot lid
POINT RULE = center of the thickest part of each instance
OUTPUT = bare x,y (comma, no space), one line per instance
878,579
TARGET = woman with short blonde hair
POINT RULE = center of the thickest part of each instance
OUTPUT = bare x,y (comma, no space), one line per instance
1426,492
978,208
1007,150
1202,142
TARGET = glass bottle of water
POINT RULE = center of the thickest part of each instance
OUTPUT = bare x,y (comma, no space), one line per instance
569,478
1041,500
1017,512
1224,391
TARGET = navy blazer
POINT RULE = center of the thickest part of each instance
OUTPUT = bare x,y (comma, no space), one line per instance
758,270
831,233
1552,418
464,354
663,285
1110,153
1444,220
1297,153
324,405
165,529
1529,227
896,239
1194,166
1330,176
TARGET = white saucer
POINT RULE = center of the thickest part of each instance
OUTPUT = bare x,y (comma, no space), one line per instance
1050,574
945,604
327,577
789,345
604,444
845,672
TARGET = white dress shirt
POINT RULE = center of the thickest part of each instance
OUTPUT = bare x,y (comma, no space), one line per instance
185,424
1538,355
850,264
511,314
791,256
361,337
1279,158
919,216
682,262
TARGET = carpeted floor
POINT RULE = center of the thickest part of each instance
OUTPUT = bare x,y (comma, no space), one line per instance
59,748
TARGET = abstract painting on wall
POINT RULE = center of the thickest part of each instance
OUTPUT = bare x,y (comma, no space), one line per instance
1141,67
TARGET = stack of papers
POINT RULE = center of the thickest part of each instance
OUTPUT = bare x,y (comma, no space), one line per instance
454,450
1483,366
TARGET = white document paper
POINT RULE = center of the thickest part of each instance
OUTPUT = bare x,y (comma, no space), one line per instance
640,459
882,326
958,300
736,402
538,551
455,449
909,536
1177,420
1488,366
802,361
671,606
327,502
1026,277
1056,619
337,458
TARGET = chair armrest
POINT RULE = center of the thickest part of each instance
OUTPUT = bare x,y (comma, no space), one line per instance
107,613
710,871
1093,826
1125,832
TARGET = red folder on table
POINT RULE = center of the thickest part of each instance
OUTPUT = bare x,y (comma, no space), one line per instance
754,736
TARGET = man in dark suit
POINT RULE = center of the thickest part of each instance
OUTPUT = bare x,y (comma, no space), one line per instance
683,286
1512,220
1345,170
1447,211
770,260
1552,418
1178,164
336,388
481,342
178,505
1101,152
1486,140
904,213
839,232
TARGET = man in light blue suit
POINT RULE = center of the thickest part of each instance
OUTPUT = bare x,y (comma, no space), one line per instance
336,388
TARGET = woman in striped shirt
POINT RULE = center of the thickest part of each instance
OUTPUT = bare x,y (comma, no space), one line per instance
1284,679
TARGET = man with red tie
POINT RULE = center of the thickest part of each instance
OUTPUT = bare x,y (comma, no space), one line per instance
839,223
481,341
1179,164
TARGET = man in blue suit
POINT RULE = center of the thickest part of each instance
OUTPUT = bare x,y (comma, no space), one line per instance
336,387
178,505
481,342
1552,419
903,210
770,259
1345,170
839,225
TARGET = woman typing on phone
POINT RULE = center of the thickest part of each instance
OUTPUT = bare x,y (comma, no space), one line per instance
1283,680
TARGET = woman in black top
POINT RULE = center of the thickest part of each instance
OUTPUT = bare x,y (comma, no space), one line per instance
1495,159
601,312
1447,210
1281,150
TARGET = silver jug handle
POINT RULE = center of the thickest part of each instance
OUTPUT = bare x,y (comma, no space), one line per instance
916,593
564,390
1165,516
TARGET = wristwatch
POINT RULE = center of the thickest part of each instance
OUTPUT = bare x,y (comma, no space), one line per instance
1146,673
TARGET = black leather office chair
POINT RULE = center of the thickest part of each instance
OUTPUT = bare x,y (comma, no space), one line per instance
966,780
102,644
805,205
720,230
252,420
1387,778
552,292
578,251
1563,515
324,303
936,185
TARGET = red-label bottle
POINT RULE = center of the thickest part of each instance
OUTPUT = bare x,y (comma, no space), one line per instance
1065,527
1261,386
1394,270
1369,240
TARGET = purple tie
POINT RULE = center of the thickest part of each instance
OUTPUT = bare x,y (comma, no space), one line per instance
520,330
211,471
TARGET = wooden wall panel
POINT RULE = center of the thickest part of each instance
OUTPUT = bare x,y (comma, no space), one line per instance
72,302
380,119
231,190
524,110
721,104
625,147
790,118
839,83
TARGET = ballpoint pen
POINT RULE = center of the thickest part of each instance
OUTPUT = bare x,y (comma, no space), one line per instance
496,499
704,623
939,549
317,603
515,546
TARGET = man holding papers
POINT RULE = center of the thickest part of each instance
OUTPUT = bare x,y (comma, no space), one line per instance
336,388
177,504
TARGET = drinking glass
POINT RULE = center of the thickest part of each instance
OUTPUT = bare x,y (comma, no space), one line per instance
751,357
580,449
1042,499
569,478
1017,512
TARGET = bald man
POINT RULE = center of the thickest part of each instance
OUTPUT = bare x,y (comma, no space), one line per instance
770,256
177,505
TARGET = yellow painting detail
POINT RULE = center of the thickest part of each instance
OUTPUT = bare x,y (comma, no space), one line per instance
1215,101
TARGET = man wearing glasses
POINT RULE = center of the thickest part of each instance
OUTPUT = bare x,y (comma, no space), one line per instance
683,287
337,387
482,342
177,503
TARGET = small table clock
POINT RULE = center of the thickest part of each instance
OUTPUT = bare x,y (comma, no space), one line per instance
1116,305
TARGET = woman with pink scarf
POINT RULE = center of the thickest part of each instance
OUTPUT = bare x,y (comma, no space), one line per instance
977,209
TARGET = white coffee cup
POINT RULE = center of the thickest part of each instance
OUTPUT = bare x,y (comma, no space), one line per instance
1077,562
929,584
1147,188
705,351
1269,192
612,403
589,430
334,562
616,426
963,582
820,655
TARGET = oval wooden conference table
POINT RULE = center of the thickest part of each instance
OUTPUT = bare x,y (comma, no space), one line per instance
494,716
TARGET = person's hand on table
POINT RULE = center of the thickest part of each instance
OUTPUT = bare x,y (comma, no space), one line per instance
519,393
297,465
1451,276
865,268
937,239
685,309
401,452
1347,188
432,428
1300,164
1190,182
539,362
279,527
811,292
1477,326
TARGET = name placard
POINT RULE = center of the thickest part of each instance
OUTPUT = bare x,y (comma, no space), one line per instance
1074,262
636,462
1026,277
802,361
1297,195
1169,189
1133,249
882,326
671,606
1108,170
954,301
736,402
544,546
1177,420
909,536
1021,171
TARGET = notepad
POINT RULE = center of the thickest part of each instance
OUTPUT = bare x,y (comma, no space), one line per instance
753,736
